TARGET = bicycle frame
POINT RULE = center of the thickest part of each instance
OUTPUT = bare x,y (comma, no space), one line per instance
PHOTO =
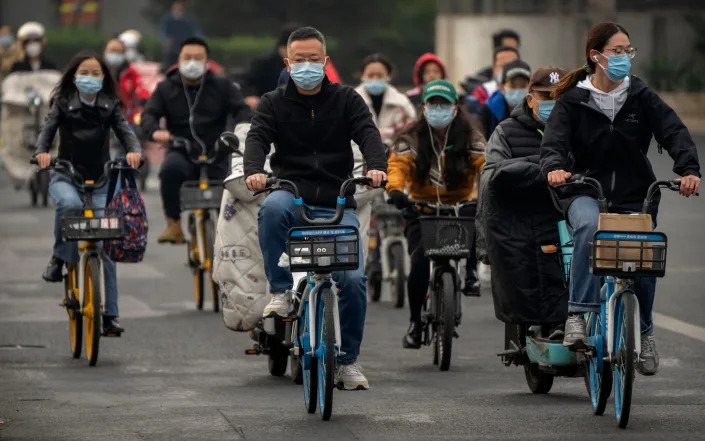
314,283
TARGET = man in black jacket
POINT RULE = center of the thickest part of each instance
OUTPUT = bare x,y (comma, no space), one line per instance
196,105
311,123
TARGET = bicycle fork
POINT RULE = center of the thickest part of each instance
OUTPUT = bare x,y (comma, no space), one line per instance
85,252
312,298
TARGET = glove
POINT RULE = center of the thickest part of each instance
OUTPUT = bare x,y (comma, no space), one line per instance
399,199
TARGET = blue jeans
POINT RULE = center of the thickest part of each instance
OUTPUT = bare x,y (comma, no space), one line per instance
583,215
67,198
276,216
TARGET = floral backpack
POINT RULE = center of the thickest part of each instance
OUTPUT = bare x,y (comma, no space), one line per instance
131,248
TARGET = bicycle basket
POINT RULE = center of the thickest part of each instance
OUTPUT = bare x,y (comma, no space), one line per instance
194,197
446,236
109,225
628,254
324,248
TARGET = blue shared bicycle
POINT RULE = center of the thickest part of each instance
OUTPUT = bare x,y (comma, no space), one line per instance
614,334
318,248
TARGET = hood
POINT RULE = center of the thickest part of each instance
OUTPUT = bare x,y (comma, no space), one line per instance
423,59
609,103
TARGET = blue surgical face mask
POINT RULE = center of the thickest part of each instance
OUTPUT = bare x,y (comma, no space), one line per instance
439,116
88,85
375,87
514,97
545,108
618,67
307,75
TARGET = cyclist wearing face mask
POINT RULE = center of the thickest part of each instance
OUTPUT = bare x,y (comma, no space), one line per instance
512,92
601,126
311,123
515,215
31,38
196,105
436,160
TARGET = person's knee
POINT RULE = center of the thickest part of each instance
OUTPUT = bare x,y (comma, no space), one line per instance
584,216
175,168
277,206
67,201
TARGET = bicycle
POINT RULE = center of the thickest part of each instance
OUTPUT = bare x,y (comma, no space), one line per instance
388,242
201,200
446,238
319,249
614,335
83,301
38,183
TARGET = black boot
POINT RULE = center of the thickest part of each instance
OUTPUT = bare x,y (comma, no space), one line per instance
111,327
412,339
53,271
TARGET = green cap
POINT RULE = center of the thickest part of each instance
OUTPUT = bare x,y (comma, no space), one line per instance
441,88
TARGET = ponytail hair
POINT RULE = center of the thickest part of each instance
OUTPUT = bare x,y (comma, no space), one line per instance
597,39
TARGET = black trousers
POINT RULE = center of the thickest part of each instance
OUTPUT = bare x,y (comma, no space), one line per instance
419,273
177,169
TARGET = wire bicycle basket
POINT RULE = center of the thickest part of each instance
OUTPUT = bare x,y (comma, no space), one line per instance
109,225
323,248
628,254
193,197
446,236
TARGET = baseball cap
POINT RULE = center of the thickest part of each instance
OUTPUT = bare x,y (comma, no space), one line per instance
545,79
516,68
441,88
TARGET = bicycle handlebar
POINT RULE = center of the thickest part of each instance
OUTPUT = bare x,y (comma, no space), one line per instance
67,168
274,183
185,145
439,207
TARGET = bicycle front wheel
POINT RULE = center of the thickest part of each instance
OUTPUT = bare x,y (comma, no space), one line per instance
598,376
209,238
325,354
194,260
309,367
624,357
446,316
91,308
73,308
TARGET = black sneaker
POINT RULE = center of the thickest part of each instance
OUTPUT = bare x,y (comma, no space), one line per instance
472,289
412,339
53,271
111,327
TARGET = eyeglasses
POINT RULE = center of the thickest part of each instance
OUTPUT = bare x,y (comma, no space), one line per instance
619,50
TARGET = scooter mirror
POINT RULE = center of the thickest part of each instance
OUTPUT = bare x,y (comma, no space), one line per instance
229,142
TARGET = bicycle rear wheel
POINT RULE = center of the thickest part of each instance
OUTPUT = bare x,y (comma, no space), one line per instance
398,276
446,319
325,354
295,362
599,385
73,308
624,357
194,260
209,239
91,308
278,356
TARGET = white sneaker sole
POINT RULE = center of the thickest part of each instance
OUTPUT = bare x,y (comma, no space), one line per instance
343,386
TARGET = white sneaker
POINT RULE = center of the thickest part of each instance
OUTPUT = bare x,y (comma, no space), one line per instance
350,377
484,273
280,305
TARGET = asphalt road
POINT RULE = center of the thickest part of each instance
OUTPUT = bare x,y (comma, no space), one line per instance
179,374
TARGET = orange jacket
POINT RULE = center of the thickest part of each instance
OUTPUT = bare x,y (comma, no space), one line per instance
400,174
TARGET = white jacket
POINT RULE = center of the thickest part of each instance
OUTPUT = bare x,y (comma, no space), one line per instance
396,112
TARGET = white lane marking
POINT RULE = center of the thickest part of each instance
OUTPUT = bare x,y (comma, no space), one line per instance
16,309
674,325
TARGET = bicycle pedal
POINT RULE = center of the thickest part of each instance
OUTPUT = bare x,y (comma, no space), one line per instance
112,334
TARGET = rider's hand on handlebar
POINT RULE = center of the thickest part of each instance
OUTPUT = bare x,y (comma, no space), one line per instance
256,182
558,177
377,177
43,159
399,199
133,159
161,136
689,185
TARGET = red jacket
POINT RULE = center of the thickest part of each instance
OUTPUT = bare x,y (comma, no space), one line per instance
418,80
132,93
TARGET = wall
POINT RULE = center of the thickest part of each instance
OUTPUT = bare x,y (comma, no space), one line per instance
464,41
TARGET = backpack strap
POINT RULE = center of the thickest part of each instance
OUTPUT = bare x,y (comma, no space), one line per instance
127,179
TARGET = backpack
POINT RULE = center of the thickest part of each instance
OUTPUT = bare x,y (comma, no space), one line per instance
131,248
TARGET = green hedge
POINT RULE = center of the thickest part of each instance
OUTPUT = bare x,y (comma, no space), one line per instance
231,52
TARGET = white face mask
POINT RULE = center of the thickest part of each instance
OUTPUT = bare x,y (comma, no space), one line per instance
33,49
192,69
131,54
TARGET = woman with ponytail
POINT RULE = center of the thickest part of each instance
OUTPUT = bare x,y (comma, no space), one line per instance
601,126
